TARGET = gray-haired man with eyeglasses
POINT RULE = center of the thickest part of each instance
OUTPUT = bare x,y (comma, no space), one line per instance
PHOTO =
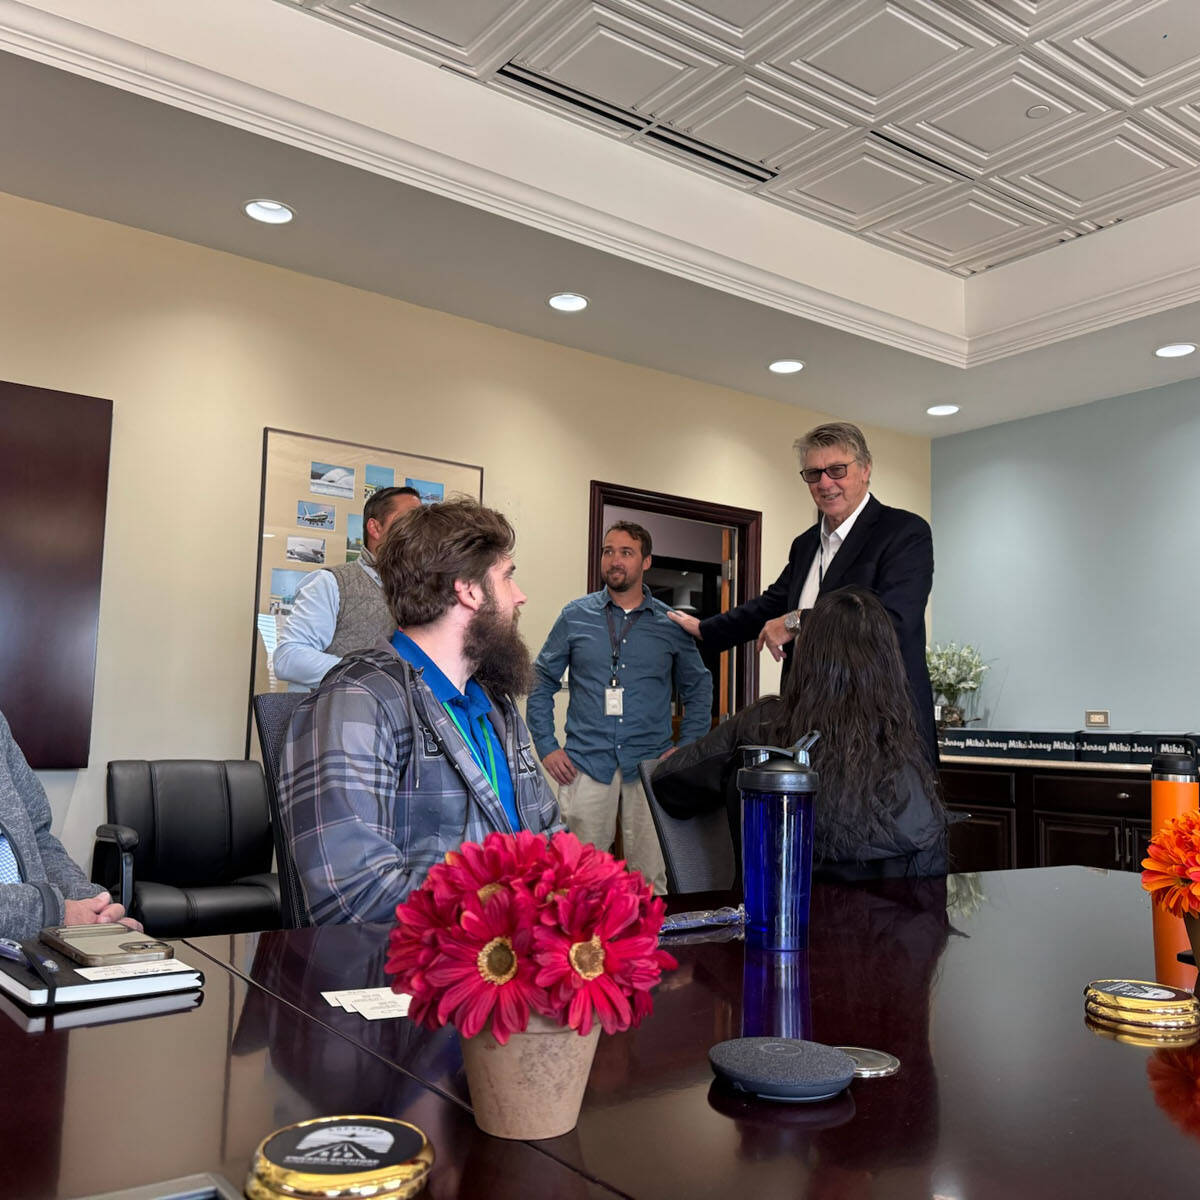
856,541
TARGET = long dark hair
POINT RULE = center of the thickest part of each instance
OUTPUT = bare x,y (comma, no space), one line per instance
847,680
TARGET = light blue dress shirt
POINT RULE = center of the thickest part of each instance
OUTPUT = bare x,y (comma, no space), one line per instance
300,657
654,655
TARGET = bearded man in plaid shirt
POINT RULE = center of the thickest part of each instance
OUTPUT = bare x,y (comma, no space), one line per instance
406,752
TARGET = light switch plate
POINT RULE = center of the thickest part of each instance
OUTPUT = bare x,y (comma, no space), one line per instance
1095,718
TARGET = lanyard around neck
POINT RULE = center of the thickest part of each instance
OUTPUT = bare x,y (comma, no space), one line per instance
488,769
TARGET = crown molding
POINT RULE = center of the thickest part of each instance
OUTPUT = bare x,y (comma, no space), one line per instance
93,53
1142,299
1123,286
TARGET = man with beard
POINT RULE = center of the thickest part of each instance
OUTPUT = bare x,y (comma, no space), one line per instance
406,752
624,657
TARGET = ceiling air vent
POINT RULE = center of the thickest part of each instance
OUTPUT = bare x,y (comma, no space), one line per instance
542,87
929,160
707,156
682,148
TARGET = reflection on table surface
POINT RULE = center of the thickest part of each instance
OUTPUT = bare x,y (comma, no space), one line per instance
974,982
107,1106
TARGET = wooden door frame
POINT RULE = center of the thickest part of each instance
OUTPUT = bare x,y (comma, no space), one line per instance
747,526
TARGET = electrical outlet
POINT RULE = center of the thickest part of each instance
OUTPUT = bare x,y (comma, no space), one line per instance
1095,718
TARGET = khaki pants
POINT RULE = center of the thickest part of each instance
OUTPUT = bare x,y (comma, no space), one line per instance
590,809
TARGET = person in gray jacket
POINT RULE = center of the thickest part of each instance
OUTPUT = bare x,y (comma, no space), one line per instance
40,885
877,812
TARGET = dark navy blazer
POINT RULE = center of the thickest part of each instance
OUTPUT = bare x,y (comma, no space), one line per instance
889,551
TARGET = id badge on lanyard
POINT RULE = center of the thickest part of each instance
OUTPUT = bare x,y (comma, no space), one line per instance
614,694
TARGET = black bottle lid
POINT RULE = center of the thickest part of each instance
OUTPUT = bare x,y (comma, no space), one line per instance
772,769
1173,764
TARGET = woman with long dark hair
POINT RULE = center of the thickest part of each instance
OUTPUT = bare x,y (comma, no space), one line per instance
877,811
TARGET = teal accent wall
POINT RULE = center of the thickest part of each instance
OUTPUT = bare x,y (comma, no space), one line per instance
1066,550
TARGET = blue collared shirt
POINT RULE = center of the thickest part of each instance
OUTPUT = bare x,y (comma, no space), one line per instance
654,653
469,711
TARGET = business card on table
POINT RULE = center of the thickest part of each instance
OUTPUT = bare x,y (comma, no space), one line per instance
159,966
372,1003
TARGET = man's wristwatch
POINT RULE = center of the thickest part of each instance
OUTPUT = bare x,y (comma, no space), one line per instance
791,621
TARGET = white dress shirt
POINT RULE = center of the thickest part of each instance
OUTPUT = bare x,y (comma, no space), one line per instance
831,543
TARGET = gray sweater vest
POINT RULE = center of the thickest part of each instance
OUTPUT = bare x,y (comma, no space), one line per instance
364,621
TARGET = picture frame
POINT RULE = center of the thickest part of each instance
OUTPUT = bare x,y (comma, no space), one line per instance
310,516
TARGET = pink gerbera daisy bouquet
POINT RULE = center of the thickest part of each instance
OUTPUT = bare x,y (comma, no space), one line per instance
522,924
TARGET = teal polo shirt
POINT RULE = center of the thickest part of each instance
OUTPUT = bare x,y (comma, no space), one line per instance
469,712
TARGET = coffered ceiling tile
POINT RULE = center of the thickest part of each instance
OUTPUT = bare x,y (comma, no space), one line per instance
995,115
870,56
755,121
1120,167
1177,120
605,54
733,26
861,185
1024,19
476,35
1136,51
969,226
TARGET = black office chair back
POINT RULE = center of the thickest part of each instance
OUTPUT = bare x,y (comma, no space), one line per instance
193,838
698,851
273,713
199,821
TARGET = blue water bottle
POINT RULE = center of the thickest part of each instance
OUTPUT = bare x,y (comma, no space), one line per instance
778,789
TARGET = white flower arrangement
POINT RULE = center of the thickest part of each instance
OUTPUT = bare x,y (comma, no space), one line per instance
954,669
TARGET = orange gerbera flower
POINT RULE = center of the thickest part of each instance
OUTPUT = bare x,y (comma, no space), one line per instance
1172,866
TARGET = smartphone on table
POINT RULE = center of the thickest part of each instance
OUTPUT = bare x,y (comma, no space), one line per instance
104,945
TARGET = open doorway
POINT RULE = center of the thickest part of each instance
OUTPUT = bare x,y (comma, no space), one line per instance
707,559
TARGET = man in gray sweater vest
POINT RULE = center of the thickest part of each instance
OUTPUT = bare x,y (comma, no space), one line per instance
341,609
39,884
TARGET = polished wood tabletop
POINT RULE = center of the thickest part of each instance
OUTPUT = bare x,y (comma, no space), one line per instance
97,1108
975,983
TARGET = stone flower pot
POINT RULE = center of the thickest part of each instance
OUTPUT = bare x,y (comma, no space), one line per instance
531,1087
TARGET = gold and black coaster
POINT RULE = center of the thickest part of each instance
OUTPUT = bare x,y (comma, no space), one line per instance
1142,995
333,1157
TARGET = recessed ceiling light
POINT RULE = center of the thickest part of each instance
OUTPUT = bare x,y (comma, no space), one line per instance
942,410
269,212
1038,111
786,366
1176,350
568,302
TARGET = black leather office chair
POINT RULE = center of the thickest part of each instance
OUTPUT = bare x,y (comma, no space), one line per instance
698,851
187,848
273,713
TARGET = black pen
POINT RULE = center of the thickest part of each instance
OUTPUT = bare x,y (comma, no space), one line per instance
44,968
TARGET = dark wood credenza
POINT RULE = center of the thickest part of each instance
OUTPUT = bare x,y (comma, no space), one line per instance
1028,813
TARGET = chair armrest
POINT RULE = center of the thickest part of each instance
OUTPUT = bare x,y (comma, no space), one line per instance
125,838
112,861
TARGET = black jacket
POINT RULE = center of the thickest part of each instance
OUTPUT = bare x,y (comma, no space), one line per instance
702,776
889,551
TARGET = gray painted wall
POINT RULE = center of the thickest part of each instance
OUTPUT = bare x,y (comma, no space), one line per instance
1066,551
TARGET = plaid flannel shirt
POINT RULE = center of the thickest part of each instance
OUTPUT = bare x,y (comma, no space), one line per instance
376,784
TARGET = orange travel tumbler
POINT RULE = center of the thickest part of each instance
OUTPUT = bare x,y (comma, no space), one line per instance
1174,789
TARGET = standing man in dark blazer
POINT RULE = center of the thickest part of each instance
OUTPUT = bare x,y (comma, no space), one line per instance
857,541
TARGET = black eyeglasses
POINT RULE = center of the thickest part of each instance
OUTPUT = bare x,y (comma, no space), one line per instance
834,471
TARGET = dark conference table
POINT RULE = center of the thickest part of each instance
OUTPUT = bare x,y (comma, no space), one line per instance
974,982
95,1109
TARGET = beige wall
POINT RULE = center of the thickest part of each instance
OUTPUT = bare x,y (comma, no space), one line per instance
199,350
